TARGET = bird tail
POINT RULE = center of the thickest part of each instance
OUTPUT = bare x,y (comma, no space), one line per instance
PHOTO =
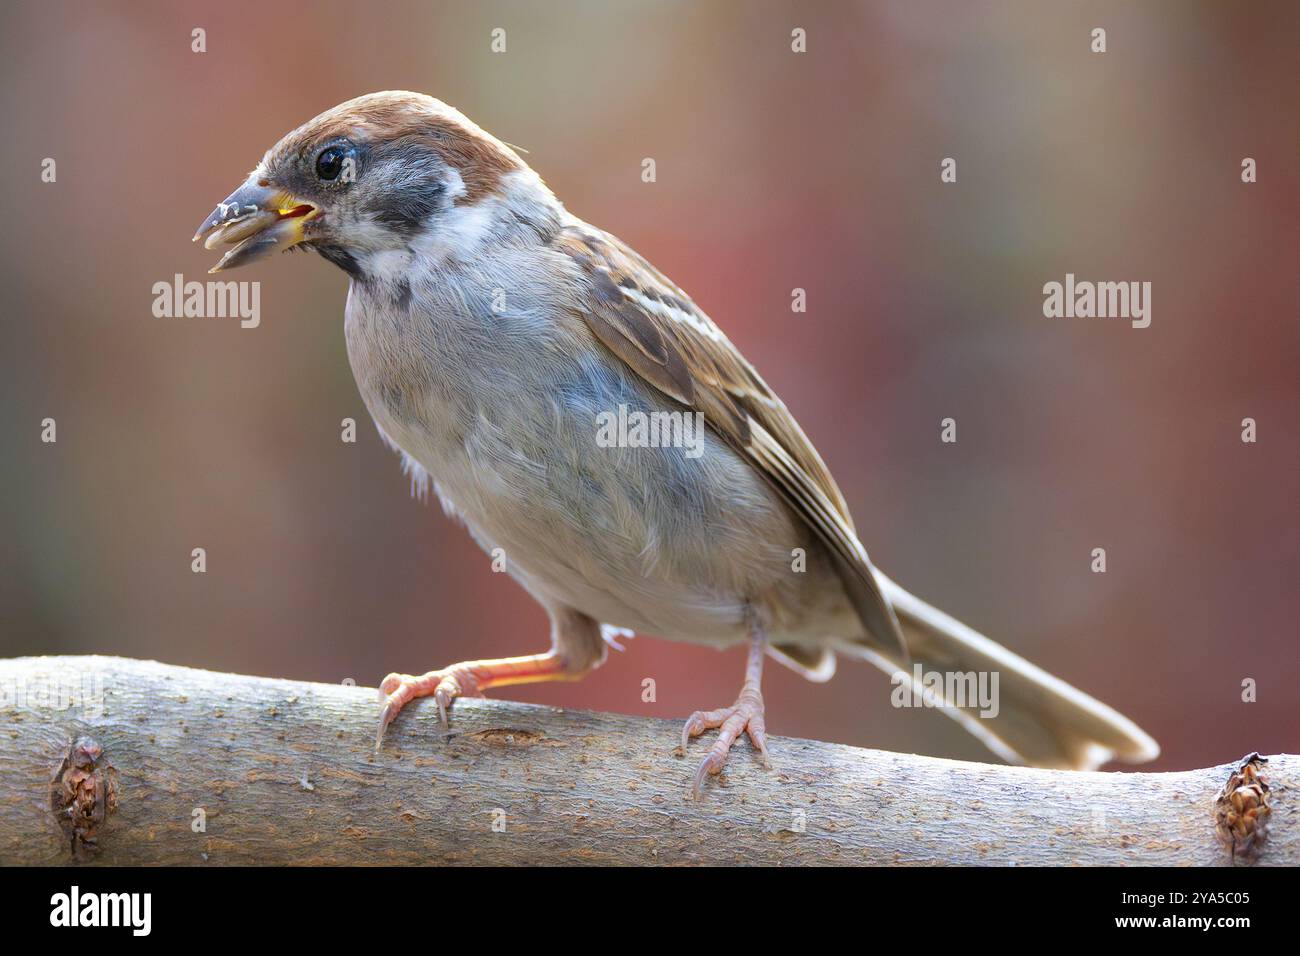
1030,717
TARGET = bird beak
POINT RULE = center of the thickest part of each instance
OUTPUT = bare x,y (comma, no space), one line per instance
256,219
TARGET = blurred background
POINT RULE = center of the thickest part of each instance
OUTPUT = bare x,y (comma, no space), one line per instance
775,170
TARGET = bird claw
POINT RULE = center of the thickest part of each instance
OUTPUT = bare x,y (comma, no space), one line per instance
745,715
444,686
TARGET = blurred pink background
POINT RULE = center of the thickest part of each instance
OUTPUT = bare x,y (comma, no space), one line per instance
775,170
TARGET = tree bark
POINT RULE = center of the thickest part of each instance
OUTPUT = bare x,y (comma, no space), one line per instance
113,761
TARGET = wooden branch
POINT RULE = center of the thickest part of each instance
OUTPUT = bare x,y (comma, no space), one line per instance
224,769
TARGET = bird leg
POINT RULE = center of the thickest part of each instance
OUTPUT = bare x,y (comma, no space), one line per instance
576,647
746,714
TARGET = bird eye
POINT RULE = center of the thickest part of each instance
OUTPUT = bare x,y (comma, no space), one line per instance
329,163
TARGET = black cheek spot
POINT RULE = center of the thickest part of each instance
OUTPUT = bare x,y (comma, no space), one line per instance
407,210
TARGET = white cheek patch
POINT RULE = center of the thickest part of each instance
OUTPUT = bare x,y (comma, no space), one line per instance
464,230
460,232
468,227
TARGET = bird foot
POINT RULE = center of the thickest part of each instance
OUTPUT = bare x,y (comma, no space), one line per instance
443,686
746,715
469,679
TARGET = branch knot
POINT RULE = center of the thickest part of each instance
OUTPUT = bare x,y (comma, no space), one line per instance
1242,810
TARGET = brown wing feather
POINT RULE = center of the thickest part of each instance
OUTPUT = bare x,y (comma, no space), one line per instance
654,327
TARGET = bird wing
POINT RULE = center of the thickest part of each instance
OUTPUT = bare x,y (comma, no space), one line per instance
655,328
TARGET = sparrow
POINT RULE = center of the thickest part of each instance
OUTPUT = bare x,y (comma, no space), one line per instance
489,330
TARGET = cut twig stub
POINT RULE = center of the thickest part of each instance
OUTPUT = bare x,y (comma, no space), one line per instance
1242,810
82,795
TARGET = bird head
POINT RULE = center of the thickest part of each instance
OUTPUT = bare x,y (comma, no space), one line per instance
374,182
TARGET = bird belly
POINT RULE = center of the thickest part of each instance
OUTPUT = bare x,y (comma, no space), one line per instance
640,538
660,540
